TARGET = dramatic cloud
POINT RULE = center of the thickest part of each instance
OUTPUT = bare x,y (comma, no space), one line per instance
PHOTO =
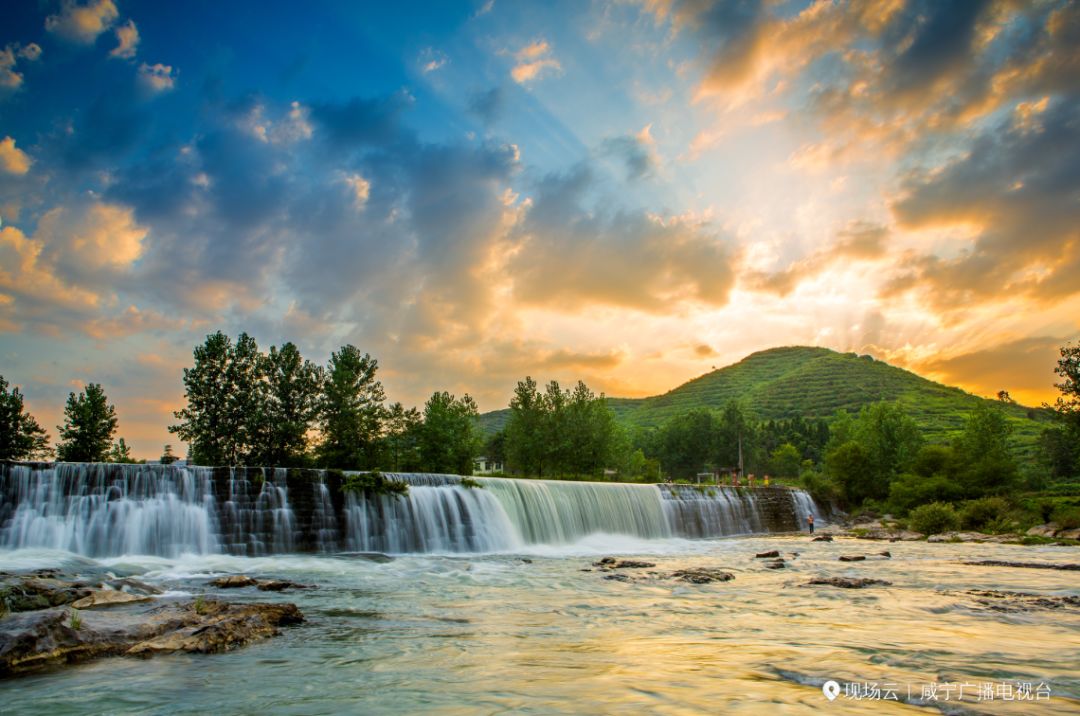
859,241
82,23
127,38
12,159
1022,367
569,257
1016,189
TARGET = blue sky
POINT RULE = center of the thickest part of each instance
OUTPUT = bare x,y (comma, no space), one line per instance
625,192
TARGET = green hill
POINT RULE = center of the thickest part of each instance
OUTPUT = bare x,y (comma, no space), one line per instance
814,382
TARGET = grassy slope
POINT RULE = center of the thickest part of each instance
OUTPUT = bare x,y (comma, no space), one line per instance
813,382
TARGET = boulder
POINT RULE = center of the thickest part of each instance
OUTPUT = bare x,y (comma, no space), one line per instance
39,590
852,558
108,597
1069,534
767,555
1050,529
776,564
847,582
822,538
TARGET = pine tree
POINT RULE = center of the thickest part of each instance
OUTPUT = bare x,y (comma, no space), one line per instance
21,437
89,425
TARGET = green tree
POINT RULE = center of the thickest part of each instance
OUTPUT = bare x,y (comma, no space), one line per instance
852,469
1060,445
292,405
206,422
120,452
687,442
401,438
246,403
785,461
984,463
448,439
351,410
591,433
525,429
89,425
167,456
21,437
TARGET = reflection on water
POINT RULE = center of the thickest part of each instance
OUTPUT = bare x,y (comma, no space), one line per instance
497,634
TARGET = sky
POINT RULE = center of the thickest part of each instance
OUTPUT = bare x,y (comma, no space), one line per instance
629,192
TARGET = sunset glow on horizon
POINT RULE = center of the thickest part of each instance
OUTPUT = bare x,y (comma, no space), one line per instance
631,192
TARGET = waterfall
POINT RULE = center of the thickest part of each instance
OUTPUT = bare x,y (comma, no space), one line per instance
108,510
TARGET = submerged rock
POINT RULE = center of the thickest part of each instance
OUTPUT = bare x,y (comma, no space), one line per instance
612,563
1022,565
377,557
852,557
776,564
55,637
702,575
846,582
1005,601
279,585
822,538
233,581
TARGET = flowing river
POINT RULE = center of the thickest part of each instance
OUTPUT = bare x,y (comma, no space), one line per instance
529,625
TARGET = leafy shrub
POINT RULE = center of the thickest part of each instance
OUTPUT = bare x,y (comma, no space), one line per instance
470,483
934,518
820,487
911,490
373,483
1067,517
984,512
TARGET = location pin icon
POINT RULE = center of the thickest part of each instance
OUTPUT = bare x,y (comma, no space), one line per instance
831,689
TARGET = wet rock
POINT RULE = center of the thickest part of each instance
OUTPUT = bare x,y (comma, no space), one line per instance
847,582
51,637
767,555
822,538
776,564
852,557
526,560
279,585
38,590
1023,565
886,554
1005,601
702,575
108,597
604,562
234,581
617,577
134,586
224,627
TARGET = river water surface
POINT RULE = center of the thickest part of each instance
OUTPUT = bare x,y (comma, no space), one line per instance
455,634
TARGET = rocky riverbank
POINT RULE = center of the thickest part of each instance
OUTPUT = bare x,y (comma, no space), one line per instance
50,619
890,530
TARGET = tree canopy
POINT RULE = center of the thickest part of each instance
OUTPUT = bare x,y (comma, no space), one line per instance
89,425
21,437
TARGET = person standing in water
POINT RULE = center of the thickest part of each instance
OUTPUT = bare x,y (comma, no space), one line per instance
810,522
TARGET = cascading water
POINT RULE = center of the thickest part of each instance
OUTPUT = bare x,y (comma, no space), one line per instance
108,510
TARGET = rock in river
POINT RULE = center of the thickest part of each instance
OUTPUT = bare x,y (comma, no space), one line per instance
54,637
702,575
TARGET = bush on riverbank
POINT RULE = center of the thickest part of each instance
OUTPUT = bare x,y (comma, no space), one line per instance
934,518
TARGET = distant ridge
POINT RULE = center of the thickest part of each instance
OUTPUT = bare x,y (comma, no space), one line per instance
813,382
